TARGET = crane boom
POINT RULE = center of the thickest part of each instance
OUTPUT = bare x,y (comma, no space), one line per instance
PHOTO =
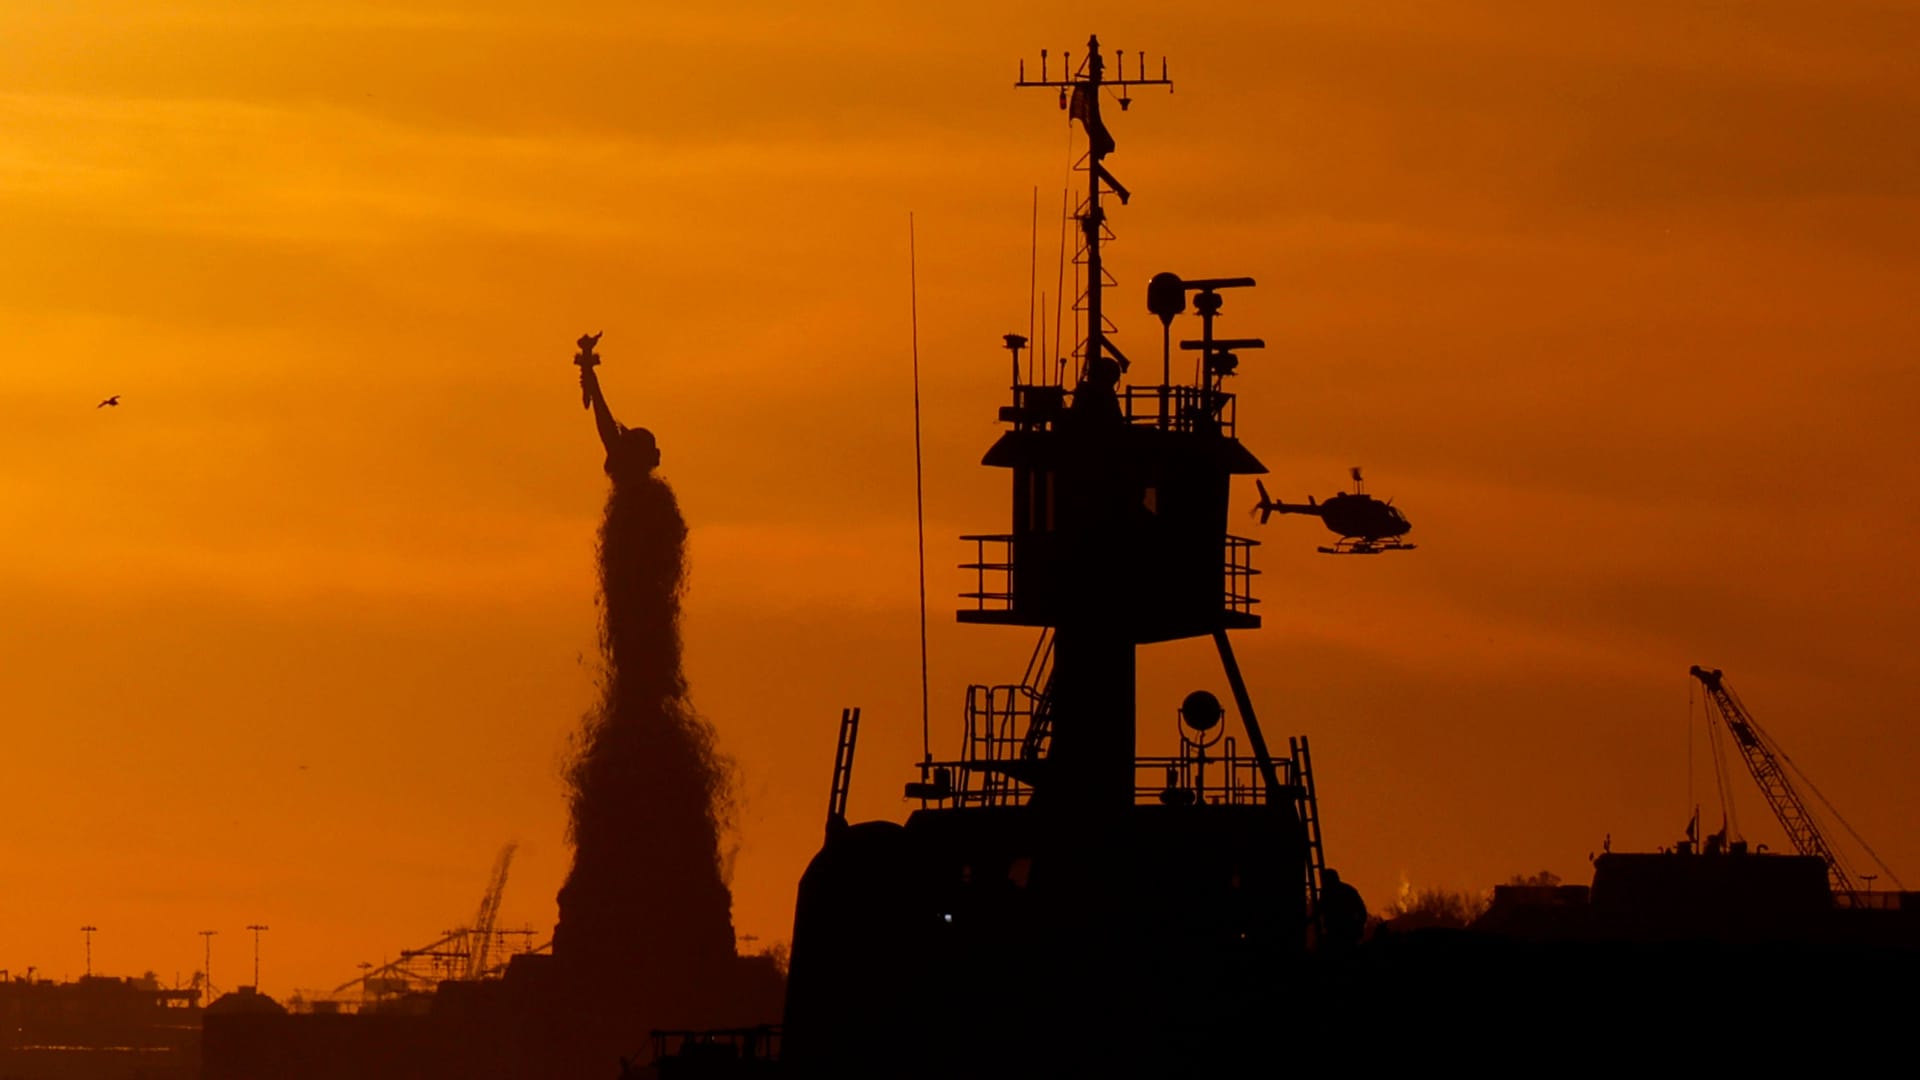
1803,830
480,944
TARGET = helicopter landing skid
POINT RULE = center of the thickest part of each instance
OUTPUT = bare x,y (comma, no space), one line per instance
1356,546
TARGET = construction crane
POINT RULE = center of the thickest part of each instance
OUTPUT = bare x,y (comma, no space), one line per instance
464,952
1764,760
480,944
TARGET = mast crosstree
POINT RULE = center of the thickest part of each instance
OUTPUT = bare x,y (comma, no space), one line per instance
1080,89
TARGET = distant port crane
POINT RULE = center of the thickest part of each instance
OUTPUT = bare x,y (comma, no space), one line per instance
481,942
463,953
1764,760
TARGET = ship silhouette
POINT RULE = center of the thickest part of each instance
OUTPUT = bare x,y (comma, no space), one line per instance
1112,908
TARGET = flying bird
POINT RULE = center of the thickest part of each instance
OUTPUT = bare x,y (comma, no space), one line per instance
114,400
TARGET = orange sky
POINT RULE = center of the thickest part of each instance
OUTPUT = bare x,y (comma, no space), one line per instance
1617,300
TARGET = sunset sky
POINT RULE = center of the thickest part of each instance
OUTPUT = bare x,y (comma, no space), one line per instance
1618,301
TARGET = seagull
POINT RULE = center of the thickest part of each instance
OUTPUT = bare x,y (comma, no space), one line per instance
114,400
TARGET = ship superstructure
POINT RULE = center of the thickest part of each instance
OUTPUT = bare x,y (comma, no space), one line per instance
1055,897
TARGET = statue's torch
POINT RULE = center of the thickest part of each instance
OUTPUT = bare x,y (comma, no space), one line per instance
586,359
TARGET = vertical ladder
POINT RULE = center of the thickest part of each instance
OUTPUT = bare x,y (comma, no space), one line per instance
842,769
1301,765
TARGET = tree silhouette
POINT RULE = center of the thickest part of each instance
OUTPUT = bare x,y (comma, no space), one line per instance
1545,879
1432,909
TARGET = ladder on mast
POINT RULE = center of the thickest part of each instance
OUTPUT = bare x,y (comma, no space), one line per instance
842,769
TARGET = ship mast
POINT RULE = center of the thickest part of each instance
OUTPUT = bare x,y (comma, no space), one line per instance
1080,95
1119,534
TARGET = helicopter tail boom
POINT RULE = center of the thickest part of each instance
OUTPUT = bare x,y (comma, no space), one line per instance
1267,507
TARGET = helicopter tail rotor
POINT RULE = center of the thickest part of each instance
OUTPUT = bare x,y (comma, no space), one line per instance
1265,505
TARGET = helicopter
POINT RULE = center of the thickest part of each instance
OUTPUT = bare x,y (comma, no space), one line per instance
1366,525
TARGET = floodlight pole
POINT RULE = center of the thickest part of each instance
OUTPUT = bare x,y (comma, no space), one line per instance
257,928
206,963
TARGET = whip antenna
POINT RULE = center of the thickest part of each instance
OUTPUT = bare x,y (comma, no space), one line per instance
919,483
1060,285
1033,279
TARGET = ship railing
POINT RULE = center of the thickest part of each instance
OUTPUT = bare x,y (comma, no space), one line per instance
992,568
716,1051
1036,406
1238,575
1227,778
1179,408
998,721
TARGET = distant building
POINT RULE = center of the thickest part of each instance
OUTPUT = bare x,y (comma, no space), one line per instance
99,1027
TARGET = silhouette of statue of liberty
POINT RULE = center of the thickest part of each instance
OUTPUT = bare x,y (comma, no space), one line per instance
645,914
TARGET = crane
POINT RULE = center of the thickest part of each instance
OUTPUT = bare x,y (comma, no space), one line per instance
1763,758
481,939
461,953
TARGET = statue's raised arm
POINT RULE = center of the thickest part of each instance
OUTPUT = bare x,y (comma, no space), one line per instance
629,450
590,395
